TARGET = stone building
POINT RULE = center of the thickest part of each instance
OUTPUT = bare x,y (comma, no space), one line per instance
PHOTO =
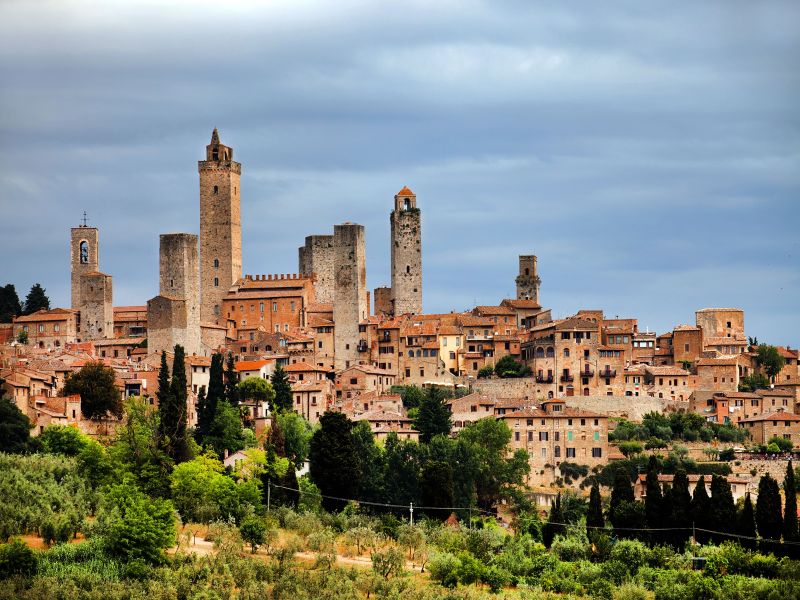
382,301
528,280
778,424
350,292
92,294
316,260
173,317
406,254
48,328
220,227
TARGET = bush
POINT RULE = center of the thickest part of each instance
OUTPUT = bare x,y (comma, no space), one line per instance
570,549
17,559
495,578
631,553
388,563
444,568
782,443
630,591
254,531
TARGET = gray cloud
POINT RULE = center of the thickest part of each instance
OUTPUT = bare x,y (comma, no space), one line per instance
648,155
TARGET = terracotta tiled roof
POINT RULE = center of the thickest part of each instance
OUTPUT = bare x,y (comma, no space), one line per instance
776,416
405,192
718,362
56,314
537,413
521,304
251,365
450,330
668,371
685,328
304,367
318,307
576,323
471,321
493,310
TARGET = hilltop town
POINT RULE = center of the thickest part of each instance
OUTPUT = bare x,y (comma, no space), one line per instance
350,350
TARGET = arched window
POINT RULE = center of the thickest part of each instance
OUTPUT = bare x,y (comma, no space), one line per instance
540,352
550,352
549,395
419,353
216,263
566,352
84,251
216,281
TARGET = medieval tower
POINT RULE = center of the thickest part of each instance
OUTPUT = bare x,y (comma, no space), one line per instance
173,317
92,293
316,257
350,304
220,227
528,281
406,240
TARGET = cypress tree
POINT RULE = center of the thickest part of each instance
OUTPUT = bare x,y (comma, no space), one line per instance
231,382
680,511
746,524
768,513
283,390
790,533
202,409
594,516
701,510
172,409
621,492
207,411
553,526
654,502
163,381
335,466
433,417
10,306
723,509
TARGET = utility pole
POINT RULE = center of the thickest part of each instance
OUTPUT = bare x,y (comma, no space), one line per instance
411,512
269,490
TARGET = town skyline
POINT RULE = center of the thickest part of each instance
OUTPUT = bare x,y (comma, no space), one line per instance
630,210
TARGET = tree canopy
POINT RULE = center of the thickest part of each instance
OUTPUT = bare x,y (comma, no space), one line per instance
433,417
283,390
36,300
770,360
14,426
95,383
10,306
335,467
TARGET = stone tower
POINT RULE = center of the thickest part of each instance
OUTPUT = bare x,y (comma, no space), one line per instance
316,257
406,243
173,317
350,292
84,253
220,227
528,281
92,291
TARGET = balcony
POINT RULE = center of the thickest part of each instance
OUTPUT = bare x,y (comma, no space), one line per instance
587,373
607,373
567,378
362,346
544,379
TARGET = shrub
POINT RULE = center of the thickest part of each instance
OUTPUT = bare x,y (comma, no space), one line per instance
631,553
17,559
570,548
388,563
444,568
254,531
630,591
495,578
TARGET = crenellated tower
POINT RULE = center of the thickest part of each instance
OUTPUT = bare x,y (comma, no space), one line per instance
528,280
406,240
220,227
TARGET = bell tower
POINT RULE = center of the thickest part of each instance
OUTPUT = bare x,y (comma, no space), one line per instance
528,280
84,258
406,251
220,227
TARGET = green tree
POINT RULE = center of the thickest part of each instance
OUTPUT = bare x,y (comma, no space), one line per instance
485,372
655,506
630,448
411,395
508,367
10,306
594,517
36,300
770,360
679,503
16,558
751,383
63,439
207,406
172,409
434,416
283,390
95,383
14,426
297,434
231,381
372,466
255,389
335,467
403,465
790,533
768,511
254,532
22,337
782,443
555,522
227,432
701,510
134,526
723,509
746,524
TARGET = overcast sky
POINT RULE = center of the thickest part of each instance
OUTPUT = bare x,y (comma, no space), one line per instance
648,155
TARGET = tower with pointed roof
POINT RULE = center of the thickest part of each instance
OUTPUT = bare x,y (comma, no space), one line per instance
220,228
406,251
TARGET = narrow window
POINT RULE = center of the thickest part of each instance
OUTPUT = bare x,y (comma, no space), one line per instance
216,189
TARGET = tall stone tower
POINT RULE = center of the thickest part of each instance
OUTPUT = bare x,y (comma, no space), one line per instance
528,280
406,243
316,257
350,305
220,227
92,291
173,317
84,258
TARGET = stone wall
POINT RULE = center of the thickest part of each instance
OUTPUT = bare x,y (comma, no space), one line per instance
317,257
350,292
522,388
383,301
96,307
220,229
528,278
